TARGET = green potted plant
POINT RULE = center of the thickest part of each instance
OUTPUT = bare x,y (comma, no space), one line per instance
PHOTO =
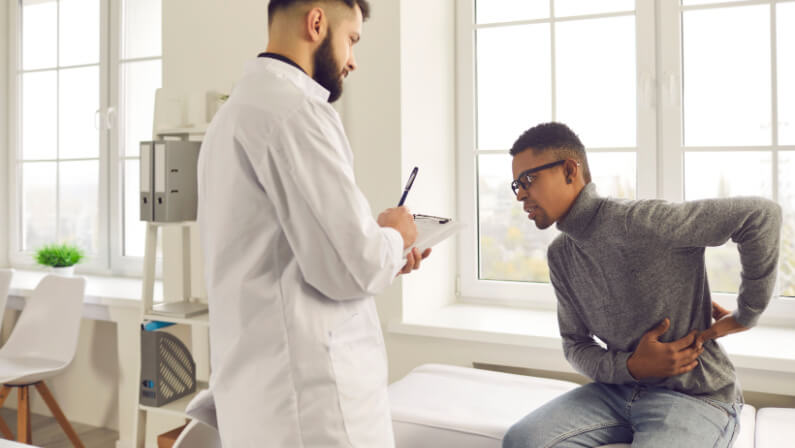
60,258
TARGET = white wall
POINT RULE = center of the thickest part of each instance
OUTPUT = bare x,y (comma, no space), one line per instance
427,56
4,212
207,42
372,119
205,47
399,113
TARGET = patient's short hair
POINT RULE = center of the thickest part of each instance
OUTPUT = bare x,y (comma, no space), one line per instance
557,138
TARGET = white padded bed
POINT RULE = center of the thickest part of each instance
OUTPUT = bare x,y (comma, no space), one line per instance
775,428
450,406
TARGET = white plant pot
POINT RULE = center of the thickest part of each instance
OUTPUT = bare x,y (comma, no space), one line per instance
67,271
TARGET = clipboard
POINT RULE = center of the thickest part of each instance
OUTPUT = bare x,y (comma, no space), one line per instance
432,230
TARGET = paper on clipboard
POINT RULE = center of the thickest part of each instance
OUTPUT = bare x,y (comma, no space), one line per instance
432,230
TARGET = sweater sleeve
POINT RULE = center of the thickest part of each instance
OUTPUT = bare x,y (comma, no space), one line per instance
580,348
753,223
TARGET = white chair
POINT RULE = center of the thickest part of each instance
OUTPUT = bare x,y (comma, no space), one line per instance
41,345
198,435
5,283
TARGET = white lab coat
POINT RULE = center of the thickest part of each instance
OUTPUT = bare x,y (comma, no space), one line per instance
292,257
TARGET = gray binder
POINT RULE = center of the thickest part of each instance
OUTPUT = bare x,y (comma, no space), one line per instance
147,182
175,180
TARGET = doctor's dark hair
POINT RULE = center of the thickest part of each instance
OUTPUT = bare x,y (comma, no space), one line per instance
556,138
276,5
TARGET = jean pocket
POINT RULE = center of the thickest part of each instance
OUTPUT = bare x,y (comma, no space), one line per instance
726,408
360,369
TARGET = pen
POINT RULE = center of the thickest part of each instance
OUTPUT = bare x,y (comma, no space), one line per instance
408,186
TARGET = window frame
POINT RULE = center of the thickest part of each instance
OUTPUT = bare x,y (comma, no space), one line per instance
536,295
781,310
660,150
126,265
110,259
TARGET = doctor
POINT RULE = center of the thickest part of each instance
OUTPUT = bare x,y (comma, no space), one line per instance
293,256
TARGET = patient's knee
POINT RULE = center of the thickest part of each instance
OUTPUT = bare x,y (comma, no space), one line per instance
520,435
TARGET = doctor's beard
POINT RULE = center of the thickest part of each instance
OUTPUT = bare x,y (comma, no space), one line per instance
327,73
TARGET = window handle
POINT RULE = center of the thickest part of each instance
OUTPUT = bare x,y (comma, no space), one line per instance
96,119
110,118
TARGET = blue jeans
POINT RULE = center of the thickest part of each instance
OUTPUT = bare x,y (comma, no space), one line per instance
599,414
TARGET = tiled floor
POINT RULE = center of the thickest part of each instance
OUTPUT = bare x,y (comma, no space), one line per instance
48,434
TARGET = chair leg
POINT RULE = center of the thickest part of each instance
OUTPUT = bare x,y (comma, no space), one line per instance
4,429
56,412
23,415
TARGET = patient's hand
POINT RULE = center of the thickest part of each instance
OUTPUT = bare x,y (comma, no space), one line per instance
719,312
655,359
724,324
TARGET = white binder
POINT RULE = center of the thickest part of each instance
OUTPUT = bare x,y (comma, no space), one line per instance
147,182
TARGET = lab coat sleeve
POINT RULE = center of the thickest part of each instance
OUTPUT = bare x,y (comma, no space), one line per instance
305,168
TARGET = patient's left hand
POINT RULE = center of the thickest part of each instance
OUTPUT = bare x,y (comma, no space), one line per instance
724,324
413,260
719,312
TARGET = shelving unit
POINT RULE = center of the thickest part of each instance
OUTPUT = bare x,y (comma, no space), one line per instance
194,130
203,319
175,408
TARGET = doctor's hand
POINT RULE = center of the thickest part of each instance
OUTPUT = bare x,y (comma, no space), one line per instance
413,260
724,324
655,359
400,219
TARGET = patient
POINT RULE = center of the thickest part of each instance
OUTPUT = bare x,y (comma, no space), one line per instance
632,274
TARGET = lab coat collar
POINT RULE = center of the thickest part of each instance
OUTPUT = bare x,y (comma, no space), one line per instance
293,74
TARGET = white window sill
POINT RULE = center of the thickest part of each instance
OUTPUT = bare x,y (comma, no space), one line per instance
103,291
763,348
482,323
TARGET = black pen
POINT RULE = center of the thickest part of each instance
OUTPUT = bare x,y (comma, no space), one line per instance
408,186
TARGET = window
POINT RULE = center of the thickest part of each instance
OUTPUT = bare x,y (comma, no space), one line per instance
664,110
735,121
59,150
84,76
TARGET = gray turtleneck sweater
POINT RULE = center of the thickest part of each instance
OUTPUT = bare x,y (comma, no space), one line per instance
620,267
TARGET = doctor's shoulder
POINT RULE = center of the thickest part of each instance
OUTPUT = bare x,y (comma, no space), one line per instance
269,94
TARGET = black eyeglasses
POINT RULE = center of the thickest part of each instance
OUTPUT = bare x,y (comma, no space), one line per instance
526,178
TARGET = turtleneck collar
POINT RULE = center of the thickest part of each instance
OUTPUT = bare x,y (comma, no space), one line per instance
582,212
